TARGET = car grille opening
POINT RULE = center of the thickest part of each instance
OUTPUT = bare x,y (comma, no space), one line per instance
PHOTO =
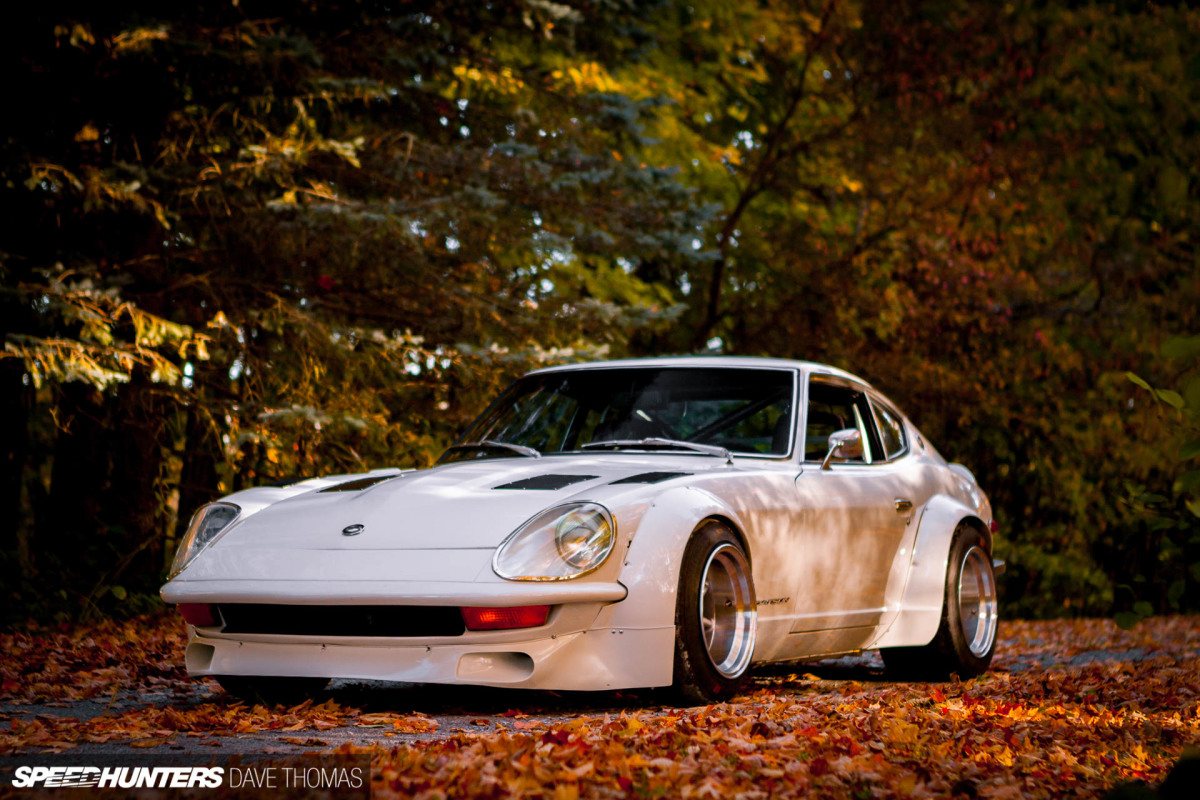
383,621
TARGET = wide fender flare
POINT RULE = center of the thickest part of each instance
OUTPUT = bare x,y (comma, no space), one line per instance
655,555
925,588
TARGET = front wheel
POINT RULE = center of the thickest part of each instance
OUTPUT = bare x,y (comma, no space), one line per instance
966,638
715,616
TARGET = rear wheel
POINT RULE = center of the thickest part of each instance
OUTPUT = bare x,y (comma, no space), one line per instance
268,690
715,616
966,637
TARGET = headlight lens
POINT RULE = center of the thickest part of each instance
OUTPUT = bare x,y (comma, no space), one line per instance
560,543
206,526
583,537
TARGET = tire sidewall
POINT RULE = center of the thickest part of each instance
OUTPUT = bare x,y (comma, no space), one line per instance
694,670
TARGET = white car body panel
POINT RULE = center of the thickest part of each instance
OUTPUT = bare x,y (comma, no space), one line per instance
836,566
583,661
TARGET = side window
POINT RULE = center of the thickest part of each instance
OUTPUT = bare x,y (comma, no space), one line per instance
891,430
834,408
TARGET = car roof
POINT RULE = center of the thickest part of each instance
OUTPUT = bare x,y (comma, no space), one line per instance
744,362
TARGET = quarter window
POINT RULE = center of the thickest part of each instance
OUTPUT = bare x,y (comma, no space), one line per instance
891,430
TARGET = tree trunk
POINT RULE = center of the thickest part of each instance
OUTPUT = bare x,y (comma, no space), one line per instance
198,479
67,532
14,452
135,499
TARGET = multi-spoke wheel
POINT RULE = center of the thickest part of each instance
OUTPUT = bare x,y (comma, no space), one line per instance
977,616
966,637
715,616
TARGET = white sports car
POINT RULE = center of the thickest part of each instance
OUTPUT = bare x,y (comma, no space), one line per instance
621,524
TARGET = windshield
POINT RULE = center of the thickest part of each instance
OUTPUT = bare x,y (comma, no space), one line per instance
746,411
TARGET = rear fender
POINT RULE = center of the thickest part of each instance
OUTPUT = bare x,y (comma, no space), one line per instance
925,588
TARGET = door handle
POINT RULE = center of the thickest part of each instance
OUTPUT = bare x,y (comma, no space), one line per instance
903,506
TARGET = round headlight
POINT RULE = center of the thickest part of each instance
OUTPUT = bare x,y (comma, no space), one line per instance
583,537
206,527
558,544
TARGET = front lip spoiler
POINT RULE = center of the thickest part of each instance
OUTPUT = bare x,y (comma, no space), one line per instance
412,593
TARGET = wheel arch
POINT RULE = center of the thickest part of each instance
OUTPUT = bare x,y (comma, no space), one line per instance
655,555
924,589
979,525
734,527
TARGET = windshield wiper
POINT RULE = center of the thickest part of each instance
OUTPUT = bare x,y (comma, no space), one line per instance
655,441
519,449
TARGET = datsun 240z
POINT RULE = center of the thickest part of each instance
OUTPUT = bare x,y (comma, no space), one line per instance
639,523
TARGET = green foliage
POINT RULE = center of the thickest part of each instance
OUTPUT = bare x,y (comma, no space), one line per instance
1172,516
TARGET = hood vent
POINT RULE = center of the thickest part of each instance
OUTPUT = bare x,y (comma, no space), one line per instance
651,477
282,482
356,485
546,482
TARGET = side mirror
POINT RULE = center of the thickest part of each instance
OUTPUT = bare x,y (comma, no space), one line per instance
845,444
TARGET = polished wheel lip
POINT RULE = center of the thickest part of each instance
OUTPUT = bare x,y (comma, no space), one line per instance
977,604
728,616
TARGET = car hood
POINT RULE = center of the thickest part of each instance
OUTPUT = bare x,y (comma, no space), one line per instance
473,504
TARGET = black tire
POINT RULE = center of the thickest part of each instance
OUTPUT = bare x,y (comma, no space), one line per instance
714,630
966,638
269,690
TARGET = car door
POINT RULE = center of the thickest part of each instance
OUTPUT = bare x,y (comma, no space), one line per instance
851,521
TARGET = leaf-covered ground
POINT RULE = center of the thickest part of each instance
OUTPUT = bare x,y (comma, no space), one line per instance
1070,708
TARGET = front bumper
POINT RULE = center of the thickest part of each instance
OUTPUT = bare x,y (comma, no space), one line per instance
385,592
577,647
589,660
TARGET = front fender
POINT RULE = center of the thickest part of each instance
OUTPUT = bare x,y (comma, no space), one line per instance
925,588
652,562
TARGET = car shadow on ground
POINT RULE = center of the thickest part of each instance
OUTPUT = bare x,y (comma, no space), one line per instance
864,668
442,700
483,701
